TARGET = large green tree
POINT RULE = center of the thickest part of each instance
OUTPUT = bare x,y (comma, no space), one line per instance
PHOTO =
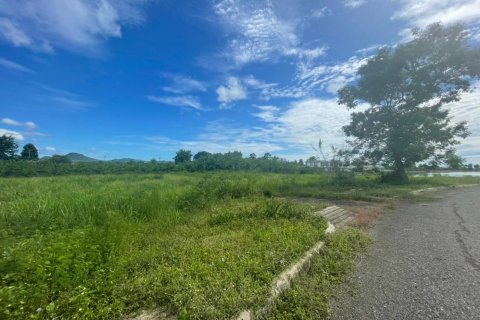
201,154
8,147
29,152
404,88
183,156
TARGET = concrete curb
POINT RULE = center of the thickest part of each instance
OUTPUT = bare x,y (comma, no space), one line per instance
284,281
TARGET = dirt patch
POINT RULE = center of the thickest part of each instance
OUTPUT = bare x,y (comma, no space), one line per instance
365,212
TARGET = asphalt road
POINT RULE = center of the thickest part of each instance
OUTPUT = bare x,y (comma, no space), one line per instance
424,264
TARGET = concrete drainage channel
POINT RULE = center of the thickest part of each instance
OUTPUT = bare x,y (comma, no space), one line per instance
337,216
334,215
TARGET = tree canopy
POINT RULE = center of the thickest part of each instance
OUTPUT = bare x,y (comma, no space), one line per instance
8,147
183,156
29,152
453,160
201,154
404,88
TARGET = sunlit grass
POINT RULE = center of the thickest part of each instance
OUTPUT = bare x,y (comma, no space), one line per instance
203,246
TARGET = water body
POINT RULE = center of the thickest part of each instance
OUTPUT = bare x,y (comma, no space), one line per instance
450,173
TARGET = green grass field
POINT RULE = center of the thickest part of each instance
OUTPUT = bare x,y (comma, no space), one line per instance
200,246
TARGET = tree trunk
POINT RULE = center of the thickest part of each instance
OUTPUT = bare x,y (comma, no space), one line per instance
400,172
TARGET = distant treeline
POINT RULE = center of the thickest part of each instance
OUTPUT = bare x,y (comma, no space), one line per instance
232,161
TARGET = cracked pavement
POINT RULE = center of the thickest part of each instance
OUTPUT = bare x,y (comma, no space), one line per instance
424,264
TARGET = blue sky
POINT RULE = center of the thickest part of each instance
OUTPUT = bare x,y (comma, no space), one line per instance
142,79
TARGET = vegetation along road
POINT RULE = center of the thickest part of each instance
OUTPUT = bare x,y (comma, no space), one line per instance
425,263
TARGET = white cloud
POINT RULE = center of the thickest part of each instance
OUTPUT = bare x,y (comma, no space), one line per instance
258,34
336,83
13,65
34,133
305,121
323,12
423,13
324,73
353,4
13,34
178,101
467,109
255,83
219,137
80,26
326,77
11,122
30,125
183,84
308,54
72,103
65,98
293,131
50,149
232,91
14,134
267,113
289,133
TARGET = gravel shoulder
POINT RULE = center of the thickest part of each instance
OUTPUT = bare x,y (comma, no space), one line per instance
424,264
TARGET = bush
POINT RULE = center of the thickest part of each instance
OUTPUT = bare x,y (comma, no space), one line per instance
343,178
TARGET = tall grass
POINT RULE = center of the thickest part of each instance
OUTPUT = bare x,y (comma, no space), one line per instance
103,247
202,246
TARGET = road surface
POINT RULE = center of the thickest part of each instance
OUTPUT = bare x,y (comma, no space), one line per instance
424,264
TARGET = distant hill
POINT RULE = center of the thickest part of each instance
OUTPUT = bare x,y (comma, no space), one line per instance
78,157
126,160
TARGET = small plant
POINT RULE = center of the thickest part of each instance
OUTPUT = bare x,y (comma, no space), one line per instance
267,193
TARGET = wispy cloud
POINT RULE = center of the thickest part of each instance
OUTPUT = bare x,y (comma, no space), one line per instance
330,76
310,79
35,134
27,128
80,26
232,91
14,134
254,83
178,101
305,121
288,133
70,100
353,4
423,13
322,12
14,66
218,137
11,122
71,103
267,113
183,84
258,34
467,109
